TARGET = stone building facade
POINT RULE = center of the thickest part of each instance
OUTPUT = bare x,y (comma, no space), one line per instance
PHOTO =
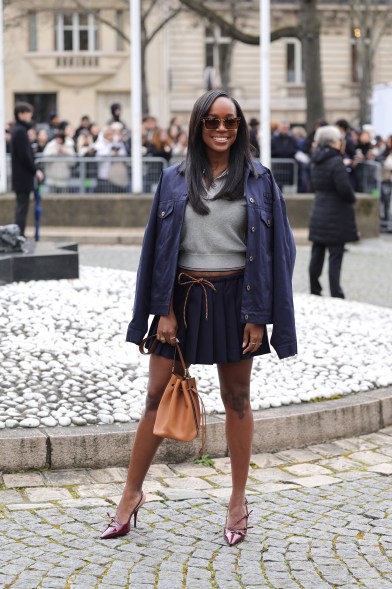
75,63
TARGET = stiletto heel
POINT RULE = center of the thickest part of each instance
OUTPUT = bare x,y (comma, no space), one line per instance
235,535
116,528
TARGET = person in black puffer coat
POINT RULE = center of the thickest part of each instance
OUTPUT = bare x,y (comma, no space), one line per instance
332,218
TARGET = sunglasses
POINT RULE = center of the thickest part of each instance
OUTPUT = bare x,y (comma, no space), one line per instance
212,124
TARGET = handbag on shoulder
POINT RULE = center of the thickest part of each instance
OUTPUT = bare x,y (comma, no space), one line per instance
181,414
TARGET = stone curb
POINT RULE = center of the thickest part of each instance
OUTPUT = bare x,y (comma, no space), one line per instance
292,426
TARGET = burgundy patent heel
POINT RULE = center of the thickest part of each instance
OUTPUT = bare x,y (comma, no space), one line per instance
235,535
116,529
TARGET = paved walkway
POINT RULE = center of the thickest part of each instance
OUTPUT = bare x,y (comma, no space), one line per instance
366,274
322,518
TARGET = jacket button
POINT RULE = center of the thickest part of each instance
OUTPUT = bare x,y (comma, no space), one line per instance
250,258
253,229
246,317
248,287
269,222
252,200
163,213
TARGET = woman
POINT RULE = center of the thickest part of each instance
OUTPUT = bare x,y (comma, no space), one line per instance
332,219
215,268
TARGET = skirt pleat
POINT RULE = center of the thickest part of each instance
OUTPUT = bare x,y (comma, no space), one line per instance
218,338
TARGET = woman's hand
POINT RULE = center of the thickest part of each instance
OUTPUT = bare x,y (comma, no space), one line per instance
253,336
167,328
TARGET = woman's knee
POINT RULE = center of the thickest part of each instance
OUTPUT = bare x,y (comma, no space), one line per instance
238,401
153,399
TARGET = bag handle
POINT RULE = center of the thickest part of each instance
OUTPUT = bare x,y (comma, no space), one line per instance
143,351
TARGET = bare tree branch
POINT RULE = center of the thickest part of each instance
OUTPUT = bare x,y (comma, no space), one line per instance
231,30
162,24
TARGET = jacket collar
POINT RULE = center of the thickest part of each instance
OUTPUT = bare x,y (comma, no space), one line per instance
256,169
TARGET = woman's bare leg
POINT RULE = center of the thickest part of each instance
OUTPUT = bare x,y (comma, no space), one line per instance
146,443
234,381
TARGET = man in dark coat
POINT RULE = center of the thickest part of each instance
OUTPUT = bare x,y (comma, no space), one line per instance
22,161
332,219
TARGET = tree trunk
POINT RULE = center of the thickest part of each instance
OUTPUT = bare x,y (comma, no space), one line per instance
225,65
310,37
366,80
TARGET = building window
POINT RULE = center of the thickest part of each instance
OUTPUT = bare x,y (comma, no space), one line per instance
76,32
32,24
119,29
43,103
294,63
355,61
217,48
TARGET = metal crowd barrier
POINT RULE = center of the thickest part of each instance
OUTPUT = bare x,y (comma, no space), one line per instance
285,172
92,175
368,177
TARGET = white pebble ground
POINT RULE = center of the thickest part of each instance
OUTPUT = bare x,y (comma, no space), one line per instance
64,360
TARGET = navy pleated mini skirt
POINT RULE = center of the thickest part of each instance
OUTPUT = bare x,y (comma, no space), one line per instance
208,313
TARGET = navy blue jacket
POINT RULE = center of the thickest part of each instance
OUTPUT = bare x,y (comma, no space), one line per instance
270,256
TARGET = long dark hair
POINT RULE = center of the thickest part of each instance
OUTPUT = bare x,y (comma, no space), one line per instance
198,162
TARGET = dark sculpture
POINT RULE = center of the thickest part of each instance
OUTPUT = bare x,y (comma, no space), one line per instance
11,239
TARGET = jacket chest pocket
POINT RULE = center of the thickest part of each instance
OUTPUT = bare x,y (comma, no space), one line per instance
266,230
165,221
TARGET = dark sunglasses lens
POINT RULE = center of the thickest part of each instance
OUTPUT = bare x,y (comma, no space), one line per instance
212,123
231,123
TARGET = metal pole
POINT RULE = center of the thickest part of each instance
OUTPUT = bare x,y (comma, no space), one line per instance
136,96
3,165
265,118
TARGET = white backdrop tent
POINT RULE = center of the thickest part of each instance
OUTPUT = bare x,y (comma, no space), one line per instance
382,109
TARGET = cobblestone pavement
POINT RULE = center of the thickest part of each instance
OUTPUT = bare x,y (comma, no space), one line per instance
322,518
366,274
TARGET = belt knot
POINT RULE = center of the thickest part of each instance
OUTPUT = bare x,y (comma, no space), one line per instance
185,279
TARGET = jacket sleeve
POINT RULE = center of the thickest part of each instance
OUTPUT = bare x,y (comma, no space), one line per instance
342,182
141,308
21,150
283,337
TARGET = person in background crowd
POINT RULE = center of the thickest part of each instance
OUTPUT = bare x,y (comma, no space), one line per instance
363,177
254,126
174,129
363,149
344,128
115,109
309,144
84,124
42,140
149,126
58,173
180,148
378,148
386,185
159,145
24,170
283,144
84,144
32,135
52,128
69,132
302,159
332,219
94,130
112,176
